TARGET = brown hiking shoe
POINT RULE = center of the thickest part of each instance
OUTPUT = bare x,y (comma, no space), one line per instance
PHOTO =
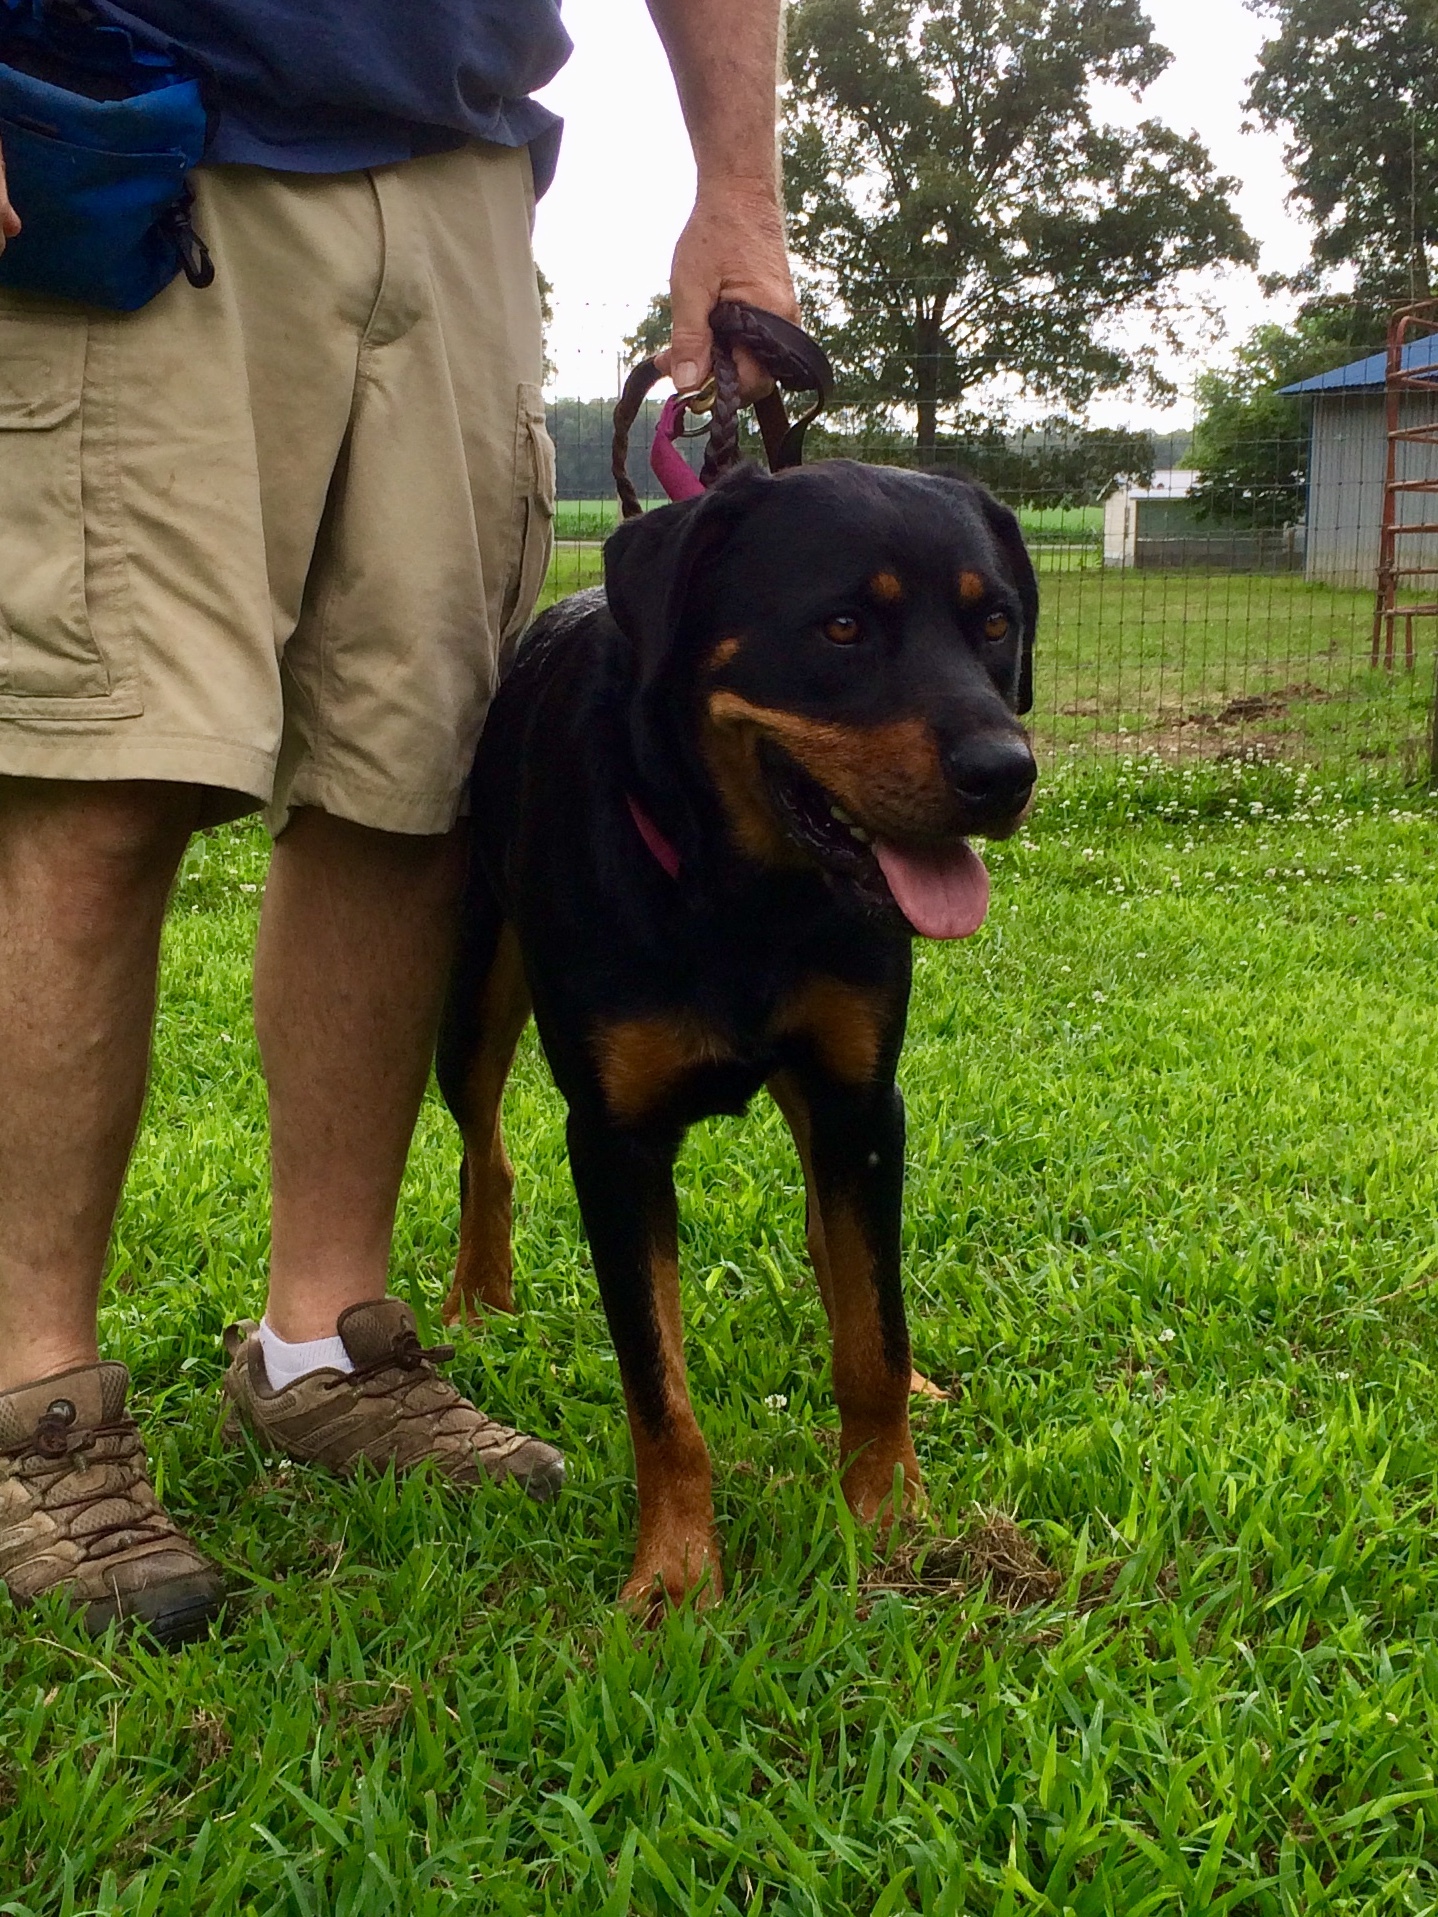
78,1514
393,1407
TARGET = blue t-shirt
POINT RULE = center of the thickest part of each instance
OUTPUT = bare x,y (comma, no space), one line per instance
329,86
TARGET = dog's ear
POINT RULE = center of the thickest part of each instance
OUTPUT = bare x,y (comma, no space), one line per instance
1004,525
651,565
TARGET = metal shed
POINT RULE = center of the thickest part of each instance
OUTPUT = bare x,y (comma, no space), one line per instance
1132,512
1347,463
1160,526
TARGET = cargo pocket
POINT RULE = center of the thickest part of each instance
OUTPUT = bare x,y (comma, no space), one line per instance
53,664
533,527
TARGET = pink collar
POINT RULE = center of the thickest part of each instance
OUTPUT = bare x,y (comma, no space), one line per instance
666,854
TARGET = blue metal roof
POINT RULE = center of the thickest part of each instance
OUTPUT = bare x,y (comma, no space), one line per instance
1369,375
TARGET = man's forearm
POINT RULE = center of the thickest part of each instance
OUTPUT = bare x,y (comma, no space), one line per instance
724,55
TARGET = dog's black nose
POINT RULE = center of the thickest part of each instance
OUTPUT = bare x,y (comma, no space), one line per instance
992,769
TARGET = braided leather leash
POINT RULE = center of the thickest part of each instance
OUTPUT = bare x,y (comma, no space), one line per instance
786,353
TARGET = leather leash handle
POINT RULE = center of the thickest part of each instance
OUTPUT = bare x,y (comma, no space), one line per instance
791,358
636,389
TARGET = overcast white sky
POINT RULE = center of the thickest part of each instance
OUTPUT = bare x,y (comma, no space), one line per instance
607,227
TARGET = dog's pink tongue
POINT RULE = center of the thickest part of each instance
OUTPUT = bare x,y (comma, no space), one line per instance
943,895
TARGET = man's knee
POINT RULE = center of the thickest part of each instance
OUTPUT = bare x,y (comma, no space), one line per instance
84,848
400,860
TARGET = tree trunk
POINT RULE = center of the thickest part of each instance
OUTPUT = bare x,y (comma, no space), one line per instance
928,344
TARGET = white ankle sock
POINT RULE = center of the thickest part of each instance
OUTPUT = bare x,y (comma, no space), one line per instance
285,1362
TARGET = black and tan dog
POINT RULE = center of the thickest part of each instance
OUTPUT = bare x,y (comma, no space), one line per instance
712,806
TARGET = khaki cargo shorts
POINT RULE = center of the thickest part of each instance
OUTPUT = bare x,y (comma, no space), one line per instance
271,537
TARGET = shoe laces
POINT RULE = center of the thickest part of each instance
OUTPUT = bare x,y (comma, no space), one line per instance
405,1354
55,1437
55,1441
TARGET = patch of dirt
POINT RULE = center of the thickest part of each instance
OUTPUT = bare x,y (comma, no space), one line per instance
993,1552
1255,705
209,1738
346,1710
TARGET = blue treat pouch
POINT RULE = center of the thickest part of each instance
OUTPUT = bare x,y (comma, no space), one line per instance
99,130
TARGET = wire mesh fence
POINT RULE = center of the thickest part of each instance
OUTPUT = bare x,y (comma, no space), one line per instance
1182,616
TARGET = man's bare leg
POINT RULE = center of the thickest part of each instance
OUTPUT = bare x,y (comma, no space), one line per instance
85,870
354,949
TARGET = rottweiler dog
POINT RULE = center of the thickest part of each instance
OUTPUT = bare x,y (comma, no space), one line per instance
713,804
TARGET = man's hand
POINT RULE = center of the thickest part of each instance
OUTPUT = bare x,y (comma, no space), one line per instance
724,54
9,218
731,249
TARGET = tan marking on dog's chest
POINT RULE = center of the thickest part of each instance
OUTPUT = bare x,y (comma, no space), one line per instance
643,1061
844,1023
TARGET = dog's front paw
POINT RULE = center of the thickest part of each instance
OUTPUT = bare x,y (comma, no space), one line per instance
869,1481
670,1566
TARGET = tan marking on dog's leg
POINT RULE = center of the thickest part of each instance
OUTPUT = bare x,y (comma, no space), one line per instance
483,1277
678,1548
873,1400
787,1094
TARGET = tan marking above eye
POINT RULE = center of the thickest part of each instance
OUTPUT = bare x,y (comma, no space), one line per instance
885,586
971,588
842,630
724,652
996,626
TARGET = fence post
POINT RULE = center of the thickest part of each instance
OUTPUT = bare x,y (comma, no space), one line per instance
1433,726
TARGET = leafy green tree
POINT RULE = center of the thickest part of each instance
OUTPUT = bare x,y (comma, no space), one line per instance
1058,462
1250,446
652,332
1353,86
548,371
963,214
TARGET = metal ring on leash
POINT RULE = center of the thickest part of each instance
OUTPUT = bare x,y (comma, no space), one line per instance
787,354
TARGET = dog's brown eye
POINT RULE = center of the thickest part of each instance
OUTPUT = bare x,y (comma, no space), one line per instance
842,630
996,626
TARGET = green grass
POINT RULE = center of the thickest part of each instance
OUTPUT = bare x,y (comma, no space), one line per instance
1172,1213
1196,665
590,519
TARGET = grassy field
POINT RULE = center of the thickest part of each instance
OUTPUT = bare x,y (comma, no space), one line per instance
590,519
1167,1640
1195,665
